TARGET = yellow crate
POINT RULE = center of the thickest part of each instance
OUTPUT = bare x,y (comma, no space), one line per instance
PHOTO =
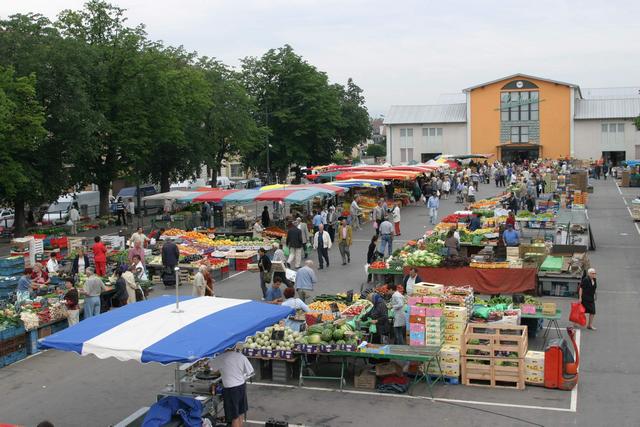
456,314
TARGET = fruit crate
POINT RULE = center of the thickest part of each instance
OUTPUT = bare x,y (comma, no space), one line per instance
494,372
500,340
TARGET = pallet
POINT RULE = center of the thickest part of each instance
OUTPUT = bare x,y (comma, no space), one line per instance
446,380
495,340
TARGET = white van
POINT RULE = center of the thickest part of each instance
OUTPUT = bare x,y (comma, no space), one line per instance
223,182
87,202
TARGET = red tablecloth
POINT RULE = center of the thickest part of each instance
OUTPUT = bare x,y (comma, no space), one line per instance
483,280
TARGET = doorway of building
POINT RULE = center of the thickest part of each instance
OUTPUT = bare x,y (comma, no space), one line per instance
519,154
614,157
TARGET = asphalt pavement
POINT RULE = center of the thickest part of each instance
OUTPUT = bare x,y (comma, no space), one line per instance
71,390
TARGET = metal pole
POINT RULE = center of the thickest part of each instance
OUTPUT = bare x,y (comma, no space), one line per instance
177,310
266,120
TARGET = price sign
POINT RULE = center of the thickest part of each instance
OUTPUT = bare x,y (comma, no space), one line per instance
277,335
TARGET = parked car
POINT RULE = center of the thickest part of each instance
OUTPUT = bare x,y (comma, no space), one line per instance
151,206
88,203
6,217
223,182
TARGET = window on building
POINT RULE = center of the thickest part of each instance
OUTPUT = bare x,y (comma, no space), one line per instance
236,169
406,144
403,155
409,154
519,134
432,135
612,133
519,106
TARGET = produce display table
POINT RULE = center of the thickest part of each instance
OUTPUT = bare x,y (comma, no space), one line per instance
552,321
425,355
560,284
482,280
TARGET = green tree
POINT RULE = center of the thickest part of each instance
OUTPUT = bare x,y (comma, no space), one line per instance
110,66
298,106
230,129
22,135
354,128
376,150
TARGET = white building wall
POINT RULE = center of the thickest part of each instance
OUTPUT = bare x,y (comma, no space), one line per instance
590,142
452,141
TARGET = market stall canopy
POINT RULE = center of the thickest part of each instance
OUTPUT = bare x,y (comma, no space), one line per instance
212,195
324,188
379,175
351,183
150,331
171,195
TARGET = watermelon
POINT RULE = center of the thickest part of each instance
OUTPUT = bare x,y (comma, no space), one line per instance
327,334
338,334
315,329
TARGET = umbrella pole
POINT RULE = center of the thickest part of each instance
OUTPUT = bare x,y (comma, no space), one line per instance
177,310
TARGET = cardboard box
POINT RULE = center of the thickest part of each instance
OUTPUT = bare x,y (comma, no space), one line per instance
417,310
454,327
456,314
417,336
389,368
434,321
534,361
424,288
447,369
433,312
450,354
548,308
416,343
534,377
416,327
453,339
364,379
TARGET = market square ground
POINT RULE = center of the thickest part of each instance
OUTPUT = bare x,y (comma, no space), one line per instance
74,391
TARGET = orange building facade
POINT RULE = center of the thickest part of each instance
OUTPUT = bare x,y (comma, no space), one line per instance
521,117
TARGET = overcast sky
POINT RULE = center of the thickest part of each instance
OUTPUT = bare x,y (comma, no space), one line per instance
403,52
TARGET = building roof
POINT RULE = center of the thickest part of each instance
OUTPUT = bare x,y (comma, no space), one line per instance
611,93
444,113
524,76
607,109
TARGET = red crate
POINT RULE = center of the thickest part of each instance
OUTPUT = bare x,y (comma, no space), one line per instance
225,269
242,264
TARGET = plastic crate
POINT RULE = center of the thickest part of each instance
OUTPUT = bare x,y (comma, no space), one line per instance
11,332
11,271
12,345
14,357
59,326
242,264
13,261
32,342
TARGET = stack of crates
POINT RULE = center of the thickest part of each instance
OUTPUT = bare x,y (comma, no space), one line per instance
12,345
454,324
11,266
426,324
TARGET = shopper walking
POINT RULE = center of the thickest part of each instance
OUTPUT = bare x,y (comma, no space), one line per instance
99,256
71,302
120,212
322,243
205,215
93,287
170,257
199,283
372,254
332,222
345,239
587,296
399,318
294,242
446,187
130,281
386,237
304,231
74,218
433,204
377,215
354,212
395,217
306,280
266,275
234,368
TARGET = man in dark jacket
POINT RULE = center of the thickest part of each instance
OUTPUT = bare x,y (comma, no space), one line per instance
265,217
294,242
379,316
170,257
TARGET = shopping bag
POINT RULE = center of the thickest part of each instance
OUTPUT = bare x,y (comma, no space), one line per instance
577,314
286,251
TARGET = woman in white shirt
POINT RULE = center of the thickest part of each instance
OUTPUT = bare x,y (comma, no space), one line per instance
138,268
258,229
395,214
52,264
296,304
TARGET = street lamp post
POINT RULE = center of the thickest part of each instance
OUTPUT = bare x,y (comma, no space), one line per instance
266,120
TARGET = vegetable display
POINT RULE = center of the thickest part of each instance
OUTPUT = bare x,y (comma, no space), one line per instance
422,258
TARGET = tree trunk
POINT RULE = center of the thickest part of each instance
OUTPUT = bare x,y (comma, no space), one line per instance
165,184
18,219
105,209
214,177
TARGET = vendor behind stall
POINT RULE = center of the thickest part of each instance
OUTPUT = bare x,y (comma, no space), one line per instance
411,279
379,316
235,369
274,294
298,305
511,237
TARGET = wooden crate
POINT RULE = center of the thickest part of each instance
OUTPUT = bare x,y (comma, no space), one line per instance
499,340
493,372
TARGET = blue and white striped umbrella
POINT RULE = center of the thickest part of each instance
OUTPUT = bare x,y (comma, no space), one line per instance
149,331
